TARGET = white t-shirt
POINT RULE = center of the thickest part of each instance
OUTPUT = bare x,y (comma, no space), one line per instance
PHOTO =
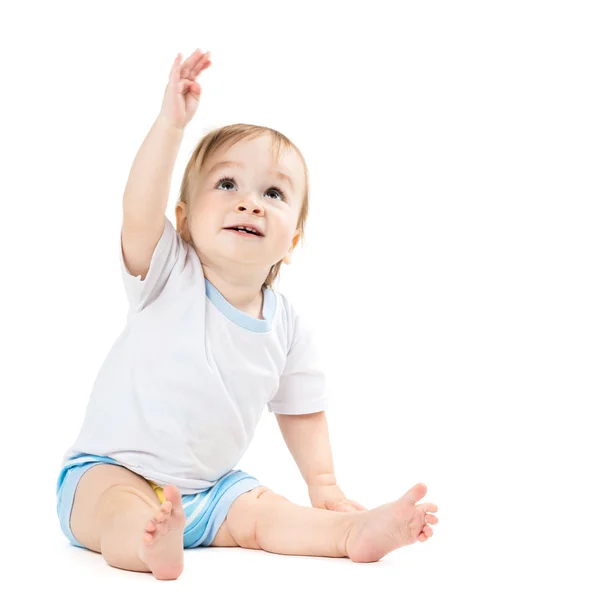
179,395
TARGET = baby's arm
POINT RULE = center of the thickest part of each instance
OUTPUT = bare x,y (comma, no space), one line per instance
147,190
307,437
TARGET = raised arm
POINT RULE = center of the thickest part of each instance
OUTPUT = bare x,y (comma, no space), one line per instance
147,190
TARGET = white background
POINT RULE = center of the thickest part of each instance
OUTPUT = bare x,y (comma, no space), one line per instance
450,272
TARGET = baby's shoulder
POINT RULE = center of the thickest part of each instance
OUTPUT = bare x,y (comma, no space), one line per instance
293,318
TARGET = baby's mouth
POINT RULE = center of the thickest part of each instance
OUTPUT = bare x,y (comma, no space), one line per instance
245,231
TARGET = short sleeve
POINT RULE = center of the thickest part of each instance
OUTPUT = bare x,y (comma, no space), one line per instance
140,293
302,385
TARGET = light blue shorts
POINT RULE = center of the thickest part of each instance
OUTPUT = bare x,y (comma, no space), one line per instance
204,511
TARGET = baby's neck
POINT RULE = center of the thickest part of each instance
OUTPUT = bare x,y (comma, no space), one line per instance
247,297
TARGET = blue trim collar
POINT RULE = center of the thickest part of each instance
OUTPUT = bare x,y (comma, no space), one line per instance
237,316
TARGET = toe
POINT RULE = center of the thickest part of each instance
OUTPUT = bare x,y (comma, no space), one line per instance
428,507
173,499
173,496
416,493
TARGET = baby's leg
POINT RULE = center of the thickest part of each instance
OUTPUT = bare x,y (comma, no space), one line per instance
263,520
117,513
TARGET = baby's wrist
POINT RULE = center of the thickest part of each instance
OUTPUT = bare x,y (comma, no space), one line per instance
167,124
321,480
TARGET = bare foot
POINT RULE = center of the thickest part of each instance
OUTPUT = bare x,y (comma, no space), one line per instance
377,532
162,542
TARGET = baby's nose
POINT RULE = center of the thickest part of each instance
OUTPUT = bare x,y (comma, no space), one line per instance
250,205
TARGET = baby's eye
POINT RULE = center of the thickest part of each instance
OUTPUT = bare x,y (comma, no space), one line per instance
279,193
225,180
231,181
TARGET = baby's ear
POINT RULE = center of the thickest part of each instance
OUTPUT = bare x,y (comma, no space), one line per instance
287,259
181,217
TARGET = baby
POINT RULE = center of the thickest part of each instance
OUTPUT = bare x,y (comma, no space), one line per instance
207,345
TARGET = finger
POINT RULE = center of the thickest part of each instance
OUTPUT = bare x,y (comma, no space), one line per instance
422,537
175,70
190,62
184,86
428,507
205,66
200,65
431,519
357,505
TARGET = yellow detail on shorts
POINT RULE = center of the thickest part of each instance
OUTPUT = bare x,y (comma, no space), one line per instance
159,491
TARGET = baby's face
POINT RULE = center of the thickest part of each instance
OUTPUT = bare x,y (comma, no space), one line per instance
248,193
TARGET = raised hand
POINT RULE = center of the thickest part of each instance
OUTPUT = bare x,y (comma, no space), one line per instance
183,91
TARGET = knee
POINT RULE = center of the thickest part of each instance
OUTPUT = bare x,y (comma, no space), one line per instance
116,494
244,514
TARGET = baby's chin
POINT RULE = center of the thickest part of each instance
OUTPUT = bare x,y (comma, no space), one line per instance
224,255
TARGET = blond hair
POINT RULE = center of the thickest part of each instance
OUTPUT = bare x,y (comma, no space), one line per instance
228,136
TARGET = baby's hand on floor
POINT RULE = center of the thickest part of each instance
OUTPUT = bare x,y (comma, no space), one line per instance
331,497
